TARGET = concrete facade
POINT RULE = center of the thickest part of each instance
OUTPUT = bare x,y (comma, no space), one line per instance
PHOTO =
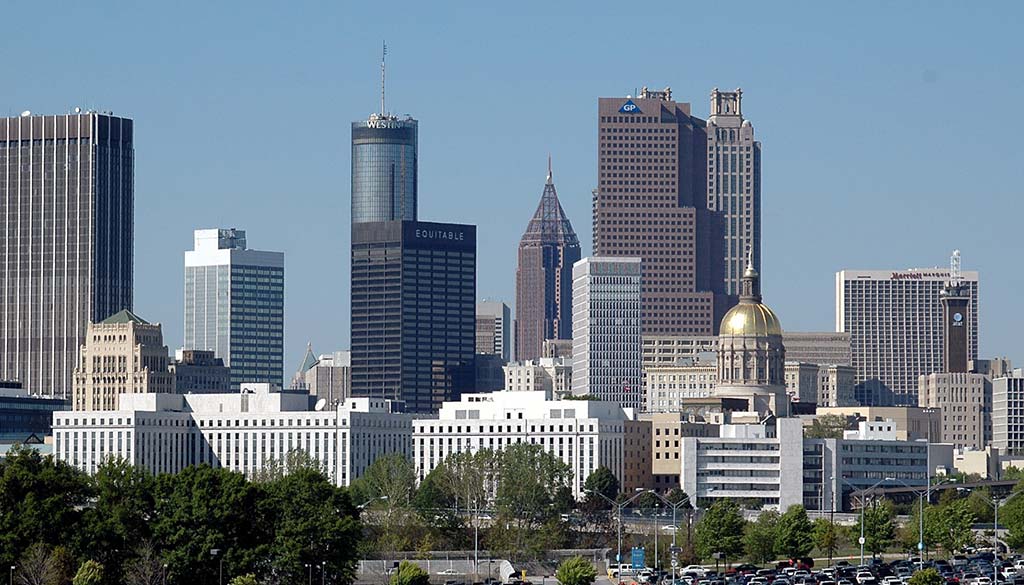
606,330
896,327
552,376
965,403
494,329
1008,414
199,371
123,354
251,432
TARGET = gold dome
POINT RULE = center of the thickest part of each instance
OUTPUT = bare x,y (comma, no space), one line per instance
752,319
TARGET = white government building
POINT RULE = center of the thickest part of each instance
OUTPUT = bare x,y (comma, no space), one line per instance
585,434
244,432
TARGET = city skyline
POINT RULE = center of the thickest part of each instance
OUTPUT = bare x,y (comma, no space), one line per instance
861,220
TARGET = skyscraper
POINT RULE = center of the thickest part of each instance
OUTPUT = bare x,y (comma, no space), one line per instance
896,327
123,354
67,222
651,203
547,252
384,168
413,311
494,329
606,346
734,184
234,305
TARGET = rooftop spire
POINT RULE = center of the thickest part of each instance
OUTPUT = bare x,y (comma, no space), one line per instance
750,289
549,181
383,57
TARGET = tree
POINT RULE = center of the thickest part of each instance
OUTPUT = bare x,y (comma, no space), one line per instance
826,536
795,539
529,480
950,526
121,515
410,574
204,508
576,571
146,569
41,500
676,495
826,426
928,576
879,530
386,489
314,521
1011,515
720,530
36,566
247,579
90,573
760,538
601,482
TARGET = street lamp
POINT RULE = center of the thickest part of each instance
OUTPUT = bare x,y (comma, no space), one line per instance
861,540
922,495
361,507
675,527
323,572
214,552
995,503
618,506
12,574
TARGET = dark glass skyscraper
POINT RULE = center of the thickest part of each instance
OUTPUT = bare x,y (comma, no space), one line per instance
547,251
413,311
67,223
384,169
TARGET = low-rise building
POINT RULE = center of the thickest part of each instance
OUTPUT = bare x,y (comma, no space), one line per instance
836,385
199,371
965,401
801,381
668,386
24,417
250,432
552,376
912,423
585,434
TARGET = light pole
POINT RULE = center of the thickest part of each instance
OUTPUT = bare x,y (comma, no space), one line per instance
675,526
995,503
922,495
361,507
618,506
323,572
12,574
862,540
309,568
215,552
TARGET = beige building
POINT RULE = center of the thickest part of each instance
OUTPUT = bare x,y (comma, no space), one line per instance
123,354
801,381
965,401
835,385
667,429
667,386
553,376
912,423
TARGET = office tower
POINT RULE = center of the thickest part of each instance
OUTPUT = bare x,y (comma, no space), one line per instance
494,329
955,303
384,166
123,354
964,401
734,184
329,377
651,203
836,384
234,305
1008,413
606,347
822,348
413,311
547,252
66,217
199,371
897,333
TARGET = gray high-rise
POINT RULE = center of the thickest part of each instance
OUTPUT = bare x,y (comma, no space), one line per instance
67,217
384,169
734,184
234,305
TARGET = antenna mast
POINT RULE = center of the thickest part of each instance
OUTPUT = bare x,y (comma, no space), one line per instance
955,277
383,57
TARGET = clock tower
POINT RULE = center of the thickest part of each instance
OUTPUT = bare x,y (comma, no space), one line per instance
955,300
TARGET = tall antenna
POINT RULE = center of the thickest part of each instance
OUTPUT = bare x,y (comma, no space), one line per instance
383,57
955,277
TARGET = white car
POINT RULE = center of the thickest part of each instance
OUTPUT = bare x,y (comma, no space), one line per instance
891,580
865,577
699,570
449,572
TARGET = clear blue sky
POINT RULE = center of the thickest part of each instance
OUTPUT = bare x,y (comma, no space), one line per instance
891,130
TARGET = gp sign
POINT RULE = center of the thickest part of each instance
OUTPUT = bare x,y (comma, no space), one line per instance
629,108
